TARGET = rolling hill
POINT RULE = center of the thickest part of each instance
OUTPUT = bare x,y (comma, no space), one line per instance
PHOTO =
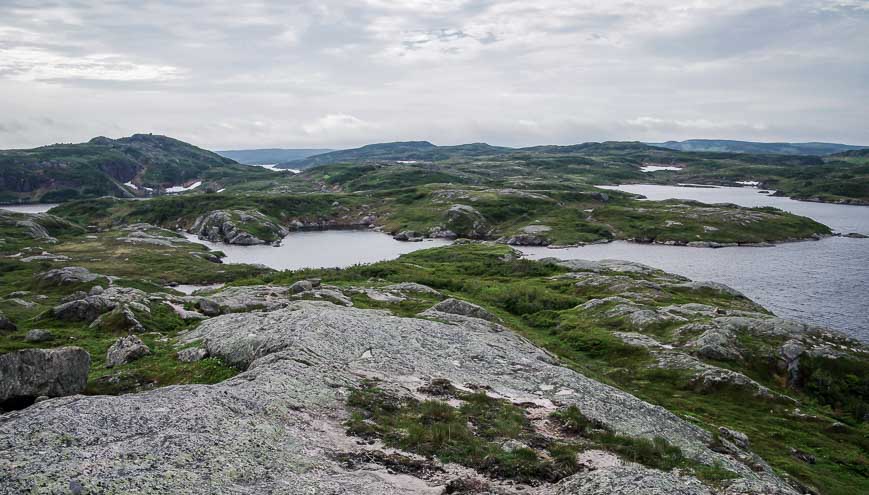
135,166
729,146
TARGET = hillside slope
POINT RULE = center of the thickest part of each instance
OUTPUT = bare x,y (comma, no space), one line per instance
269,156
730,146
139,165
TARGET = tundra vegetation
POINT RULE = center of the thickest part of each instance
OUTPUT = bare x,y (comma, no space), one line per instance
91,273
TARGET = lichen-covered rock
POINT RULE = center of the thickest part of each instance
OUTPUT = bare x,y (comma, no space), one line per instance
242,299
630,480
125,350
463,308
412,287
278,425
466,221
738,438
38,335
301,286
51,372
68,275
238,227
192,355
87,309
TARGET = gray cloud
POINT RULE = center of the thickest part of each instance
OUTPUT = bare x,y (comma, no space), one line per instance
329,73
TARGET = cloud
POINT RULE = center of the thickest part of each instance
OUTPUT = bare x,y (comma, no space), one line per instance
335,73
35,64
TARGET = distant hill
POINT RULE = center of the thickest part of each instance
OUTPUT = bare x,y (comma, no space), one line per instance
139,165
724,145
428,152
270,155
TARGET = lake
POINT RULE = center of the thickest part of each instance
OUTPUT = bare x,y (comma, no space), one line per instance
824,282
31,208
322,249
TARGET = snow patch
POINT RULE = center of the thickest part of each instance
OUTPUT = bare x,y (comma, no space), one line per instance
656,168
178,189
752,183
131,185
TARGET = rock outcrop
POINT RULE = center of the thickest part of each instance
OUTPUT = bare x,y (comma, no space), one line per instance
278,426
31,373
68,275
467,221
244,228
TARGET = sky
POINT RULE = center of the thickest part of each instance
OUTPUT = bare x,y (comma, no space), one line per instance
228,74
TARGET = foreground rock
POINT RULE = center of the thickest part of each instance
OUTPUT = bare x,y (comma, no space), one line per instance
50,372
278,426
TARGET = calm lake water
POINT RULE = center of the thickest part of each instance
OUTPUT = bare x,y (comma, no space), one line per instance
824,282
35,208
322,249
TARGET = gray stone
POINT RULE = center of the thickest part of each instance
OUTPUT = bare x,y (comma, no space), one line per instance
738,438
277,426
68,275
192,354
301,286
125,350
33,372
38,335
408,236
87,309
463,308
229,226
412,287
631,480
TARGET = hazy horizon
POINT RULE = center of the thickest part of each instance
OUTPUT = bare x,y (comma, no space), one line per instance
329,74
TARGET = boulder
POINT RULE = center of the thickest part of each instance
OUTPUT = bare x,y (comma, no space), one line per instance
738,438
52,372
463,308
67,276
408,236
192,355
412,287
38,335
466,221
87,309
6,325
301,286
125,350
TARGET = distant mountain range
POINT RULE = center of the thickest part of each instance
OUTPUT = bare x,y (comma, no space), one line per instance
729,146
270,156
139,165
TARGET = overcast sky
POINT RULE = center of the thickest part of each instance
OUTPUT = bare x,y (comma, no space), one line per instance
243,74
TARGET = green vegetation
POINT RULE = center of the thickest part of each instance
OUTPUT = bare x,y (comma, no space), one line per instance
530,298
478,434
102,166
